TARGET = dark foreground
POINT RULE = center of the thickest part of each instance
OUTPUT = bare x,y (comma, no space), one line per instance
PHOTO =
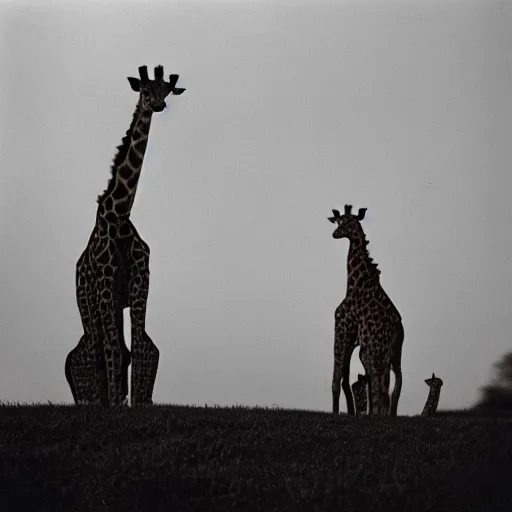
173,458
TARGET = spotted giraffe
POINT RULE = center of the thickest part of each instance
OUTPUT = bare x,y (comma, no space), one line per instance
434,383
368,318
113,273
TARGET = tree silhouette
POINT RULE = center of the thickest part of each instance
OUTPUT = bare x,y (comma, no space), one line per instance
498,395
504,370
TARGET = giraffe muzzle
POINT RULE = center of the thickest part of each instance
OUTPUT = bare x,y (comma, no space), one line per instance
158,108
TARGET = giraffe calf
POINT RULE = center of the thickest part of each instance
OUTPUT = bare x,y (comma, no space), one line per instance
359,390
434,383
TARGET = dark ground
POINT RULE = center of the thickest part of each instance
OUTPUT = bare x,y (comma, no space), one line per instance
173,458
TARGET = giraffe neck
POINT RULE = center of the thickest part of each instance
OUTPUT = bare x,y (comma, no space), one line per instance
117,200
361,271
432,400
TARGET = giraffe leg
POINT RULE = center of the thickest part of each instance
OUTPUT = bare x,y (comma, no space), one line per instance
396,365
375,393
344,344
123,302
370,382
79,365
367,395
124,373
345,379
126,356
154,367
69,373
101,382
81,370
385,393
112,343
99,391
364,401
375,365
145,355
145,365
85,365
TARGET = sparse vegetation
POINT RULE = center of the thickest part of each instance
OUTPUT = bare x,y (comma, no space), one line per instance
61,458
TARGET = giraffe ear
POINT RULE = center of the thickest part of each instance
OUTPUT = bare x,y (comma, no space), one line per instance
336,214
361,213
173,79
135,83
428,381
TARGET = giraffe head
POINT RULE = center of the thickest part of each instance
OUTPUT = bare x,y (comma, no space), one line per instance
361,379
434,381
348,224
154,92
360,383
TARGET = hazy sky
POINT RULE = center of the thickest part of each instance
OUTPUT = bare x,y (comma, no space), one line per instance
291,109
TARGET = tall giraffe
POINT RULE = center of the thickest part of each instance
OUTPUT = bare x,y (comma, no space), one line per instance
113,272
434,383
368,318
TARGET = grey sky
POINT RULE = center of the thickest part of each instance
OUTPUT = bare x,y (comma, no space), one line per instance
291,109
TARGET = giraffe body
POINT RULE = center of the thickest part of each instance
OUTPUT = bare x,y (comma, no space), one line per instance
368,318
113,273
434,383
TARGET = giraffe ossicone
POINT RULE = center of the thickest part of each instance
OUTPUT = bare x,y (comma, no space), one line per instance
366,317
112,273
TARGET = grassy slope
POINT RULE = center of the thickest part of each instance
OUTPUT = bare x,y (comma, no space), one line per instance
56,458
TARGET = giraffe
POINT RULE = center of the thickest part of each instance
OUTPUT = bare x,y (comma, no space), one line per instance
113,273
359,392
366,317
434,383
